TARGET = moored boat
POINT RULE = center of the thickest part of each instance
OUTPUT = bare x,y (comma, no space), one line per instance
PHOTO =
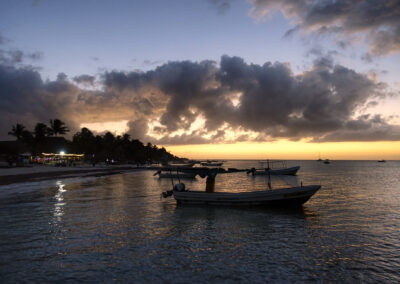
178,165
275,167
284,196
289,196
285,171
178,175
211,164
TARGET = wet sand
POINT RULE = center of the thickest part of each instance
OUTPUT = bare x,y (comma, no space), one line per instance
70,173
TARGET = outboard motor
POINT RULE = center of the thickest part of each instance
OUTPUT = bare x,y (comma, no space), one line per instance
252,170
167,193
179,187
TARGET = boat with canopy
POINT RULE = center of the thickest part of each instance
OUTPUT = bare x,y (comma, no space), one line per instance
274,168
289,196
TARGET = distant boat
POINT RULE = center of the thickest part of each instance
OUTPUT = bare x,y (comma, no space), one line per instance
319,157
178,175
179,165
291,196
285,171
327,161
211,164
381,161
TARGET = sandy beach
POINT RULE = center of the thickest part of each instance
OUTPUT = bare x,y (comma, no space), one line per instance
40,172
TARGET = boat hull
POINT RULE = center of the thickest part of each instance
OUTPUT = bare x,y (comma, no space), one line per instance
211,164
177,175
288,171
276,197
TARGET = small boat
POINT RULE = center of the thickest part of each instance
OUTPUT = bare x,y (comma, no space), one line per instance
291,196
274,168
284,196
178,165
178,175
381,161
327,161
286,171
211,164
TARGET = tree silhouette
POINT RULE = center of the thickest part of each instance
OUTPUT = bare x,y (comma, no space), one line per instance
17,131
41,131
120,149
84,142
57,127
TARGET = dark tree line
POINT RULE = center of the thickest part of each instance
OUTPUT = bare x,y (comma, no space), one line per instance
99,147
41,130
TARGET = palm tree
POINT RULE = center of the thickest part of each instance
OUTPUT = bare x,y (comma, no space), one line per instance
17,131
41,130
126,137
57,127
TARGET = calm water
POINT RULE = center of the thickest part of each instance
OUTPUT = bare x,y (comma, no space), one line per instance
116,228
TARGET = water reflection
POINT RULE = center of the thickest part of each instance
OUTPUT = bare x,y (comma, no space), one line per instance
59,201
116,228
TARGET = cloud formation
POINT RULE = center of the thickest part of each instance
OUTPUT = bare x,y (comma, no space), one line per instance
378,20
85,79
186,102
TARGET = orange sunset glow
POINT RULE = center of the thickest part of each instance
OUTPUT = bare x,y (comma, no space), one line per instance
292,150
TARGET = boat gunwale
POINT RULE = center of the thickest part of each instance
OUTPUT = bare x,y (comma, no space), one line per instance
251,194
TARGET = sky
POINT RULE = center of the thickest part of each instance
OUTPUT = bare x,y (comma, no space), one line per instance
225,79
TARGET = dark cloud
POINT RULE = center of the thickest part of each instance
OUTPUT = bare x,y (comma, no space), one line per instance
379,20
257,102
37,55
183,139
138,128
365,128
222,5
85,79
367,57
16,56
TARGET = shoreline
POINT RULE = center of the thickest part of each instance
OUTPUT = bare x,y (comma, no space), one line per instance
63,173
39,173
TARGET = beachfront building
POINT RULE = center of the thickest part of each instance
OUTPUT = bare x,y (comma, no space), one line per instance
60,159
49,150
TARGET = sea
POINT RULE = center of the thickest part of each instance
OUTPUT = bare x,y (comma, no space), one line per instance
118,229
